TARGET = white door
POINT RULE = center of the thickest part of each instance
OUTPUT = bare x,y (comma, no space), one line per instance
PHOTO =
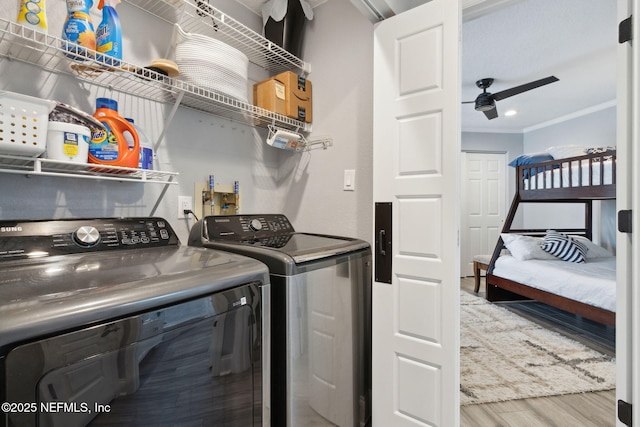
416,168
483,205
627,248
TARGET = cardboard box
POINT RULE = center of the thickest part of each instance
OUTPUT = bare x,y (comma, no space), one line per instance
287,94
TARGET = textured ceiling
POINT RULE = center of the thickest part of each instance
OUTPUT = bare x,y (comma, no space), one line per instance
518,41
575,40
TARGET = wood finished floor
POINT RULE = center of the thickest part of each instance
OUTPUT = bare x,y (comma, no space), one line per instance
597,409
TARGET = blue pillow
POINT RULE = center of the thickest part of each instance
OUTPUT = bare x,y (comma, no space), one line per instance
528,159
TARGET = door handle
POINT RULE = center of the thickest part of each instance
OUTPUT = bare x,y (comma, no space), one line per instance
382,242
383,263
625,221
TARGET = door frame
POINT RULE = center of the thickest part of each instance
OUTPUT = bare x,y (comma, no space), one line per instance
627,248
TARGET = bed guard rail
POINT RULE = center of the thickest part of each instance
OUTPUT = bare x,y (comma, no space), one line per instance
588,176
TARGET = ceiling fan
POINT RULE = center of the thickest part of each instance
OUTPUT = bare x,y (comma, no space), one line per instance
486,102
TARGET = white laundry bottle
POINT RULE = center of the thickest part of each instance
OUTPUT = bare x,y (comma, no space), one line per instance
146,147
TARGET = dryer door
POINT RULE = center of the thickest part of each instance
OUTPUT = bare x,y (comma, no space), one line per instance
194,362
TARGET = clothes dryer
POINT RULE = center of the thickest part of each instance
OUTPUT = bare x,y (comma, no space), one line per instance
113,322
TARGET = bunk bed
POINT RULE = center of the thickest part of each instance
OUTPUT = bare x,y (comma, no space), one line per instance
587,289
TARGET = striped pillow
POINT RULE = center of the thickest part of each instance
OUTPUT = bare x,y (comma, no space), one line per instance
564,247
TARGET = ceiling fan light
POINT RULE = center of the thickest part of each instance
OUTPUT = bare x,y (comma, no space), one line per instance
485,103
485,107
510,113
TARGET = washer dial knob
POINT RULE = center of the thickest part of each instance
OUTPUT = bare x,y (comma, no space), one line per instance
255,225
86,236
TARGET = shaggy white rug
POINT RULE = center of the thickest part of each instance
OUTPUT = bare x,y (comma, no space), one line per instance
504,357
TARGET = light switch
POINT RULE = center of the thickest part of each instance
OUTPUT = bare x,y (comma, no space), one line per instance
349,180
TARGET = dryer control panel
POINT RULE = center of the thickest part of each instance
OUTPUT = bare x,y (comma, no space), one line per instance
246,227
36,239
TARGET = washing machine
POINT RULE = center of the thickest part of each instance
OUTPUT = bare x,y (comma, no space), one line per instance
111,322
320,314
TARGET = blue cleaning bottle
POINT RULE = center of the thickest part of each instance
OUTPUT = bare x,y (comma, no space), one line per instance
109,34
78,29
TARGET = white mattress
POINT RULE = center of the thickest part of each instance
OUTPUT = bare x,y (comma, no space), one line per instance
593,282
552,177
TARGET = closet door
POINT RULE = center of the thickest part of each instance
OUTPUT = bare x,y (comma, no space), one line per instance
416,153
483,205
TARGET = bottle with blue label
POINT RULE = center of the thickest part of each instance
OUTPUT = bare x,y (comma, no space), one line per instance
109,34
78,29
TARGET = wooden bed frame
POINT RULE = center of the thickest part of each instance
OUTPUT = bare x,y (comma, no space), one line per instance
500,289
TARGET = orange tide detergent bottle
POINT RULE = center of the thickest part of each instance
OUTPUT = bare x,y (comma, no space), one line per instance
110,147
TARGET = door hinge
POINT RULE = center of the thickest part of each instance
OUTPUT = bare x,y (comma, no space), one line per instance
625,31
624,412
625,221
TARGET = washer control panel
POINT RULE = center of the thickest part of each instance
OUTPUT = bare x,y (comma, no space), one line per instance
245,227
33,239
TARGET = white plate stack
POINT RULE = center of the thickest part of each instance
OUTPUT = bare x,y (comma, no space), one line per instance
211,64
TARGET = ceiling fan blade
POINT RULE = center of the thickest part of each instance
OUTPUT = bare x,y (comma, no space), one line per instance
469,102
491,114
523,88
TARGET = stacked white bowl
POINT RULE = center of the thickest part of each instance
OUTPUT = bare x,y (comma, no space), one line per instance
211,64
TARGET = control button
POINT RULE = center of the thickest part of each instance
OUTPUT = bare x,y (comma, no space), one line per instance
255,225
164,234
86,236
161,224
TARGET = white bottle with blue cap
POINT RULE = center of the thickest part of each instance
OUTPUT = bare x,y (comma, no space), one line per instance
146,147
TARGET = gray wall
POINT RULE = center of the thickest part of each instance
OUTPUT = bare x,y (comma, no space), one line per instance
339,46
596,129
306,186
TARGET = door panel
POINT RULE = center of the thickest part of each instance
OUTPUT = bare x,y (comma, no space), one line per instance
416,154
483,205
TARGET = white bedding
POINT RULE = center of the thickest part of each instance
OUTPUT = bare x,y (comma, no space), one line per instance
552,177
593,282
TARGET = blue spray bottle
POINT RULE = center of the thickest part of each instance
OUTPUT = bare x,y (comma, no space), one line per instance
109,33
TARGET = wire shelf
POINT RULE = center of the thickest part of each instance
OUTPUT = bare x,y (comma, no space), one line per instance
47,167
52,53
197,16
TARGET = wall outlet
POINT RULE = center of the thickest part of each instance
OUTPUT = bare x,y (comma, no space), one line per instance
184,203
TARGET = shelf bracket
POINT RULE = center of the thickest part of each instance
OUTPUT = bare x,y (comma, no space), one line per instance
167,121
323,142
161,196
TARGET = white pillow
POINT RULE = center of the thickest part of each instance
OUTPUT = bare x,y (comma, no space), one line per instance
564,247
594,251
566,151
523,248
